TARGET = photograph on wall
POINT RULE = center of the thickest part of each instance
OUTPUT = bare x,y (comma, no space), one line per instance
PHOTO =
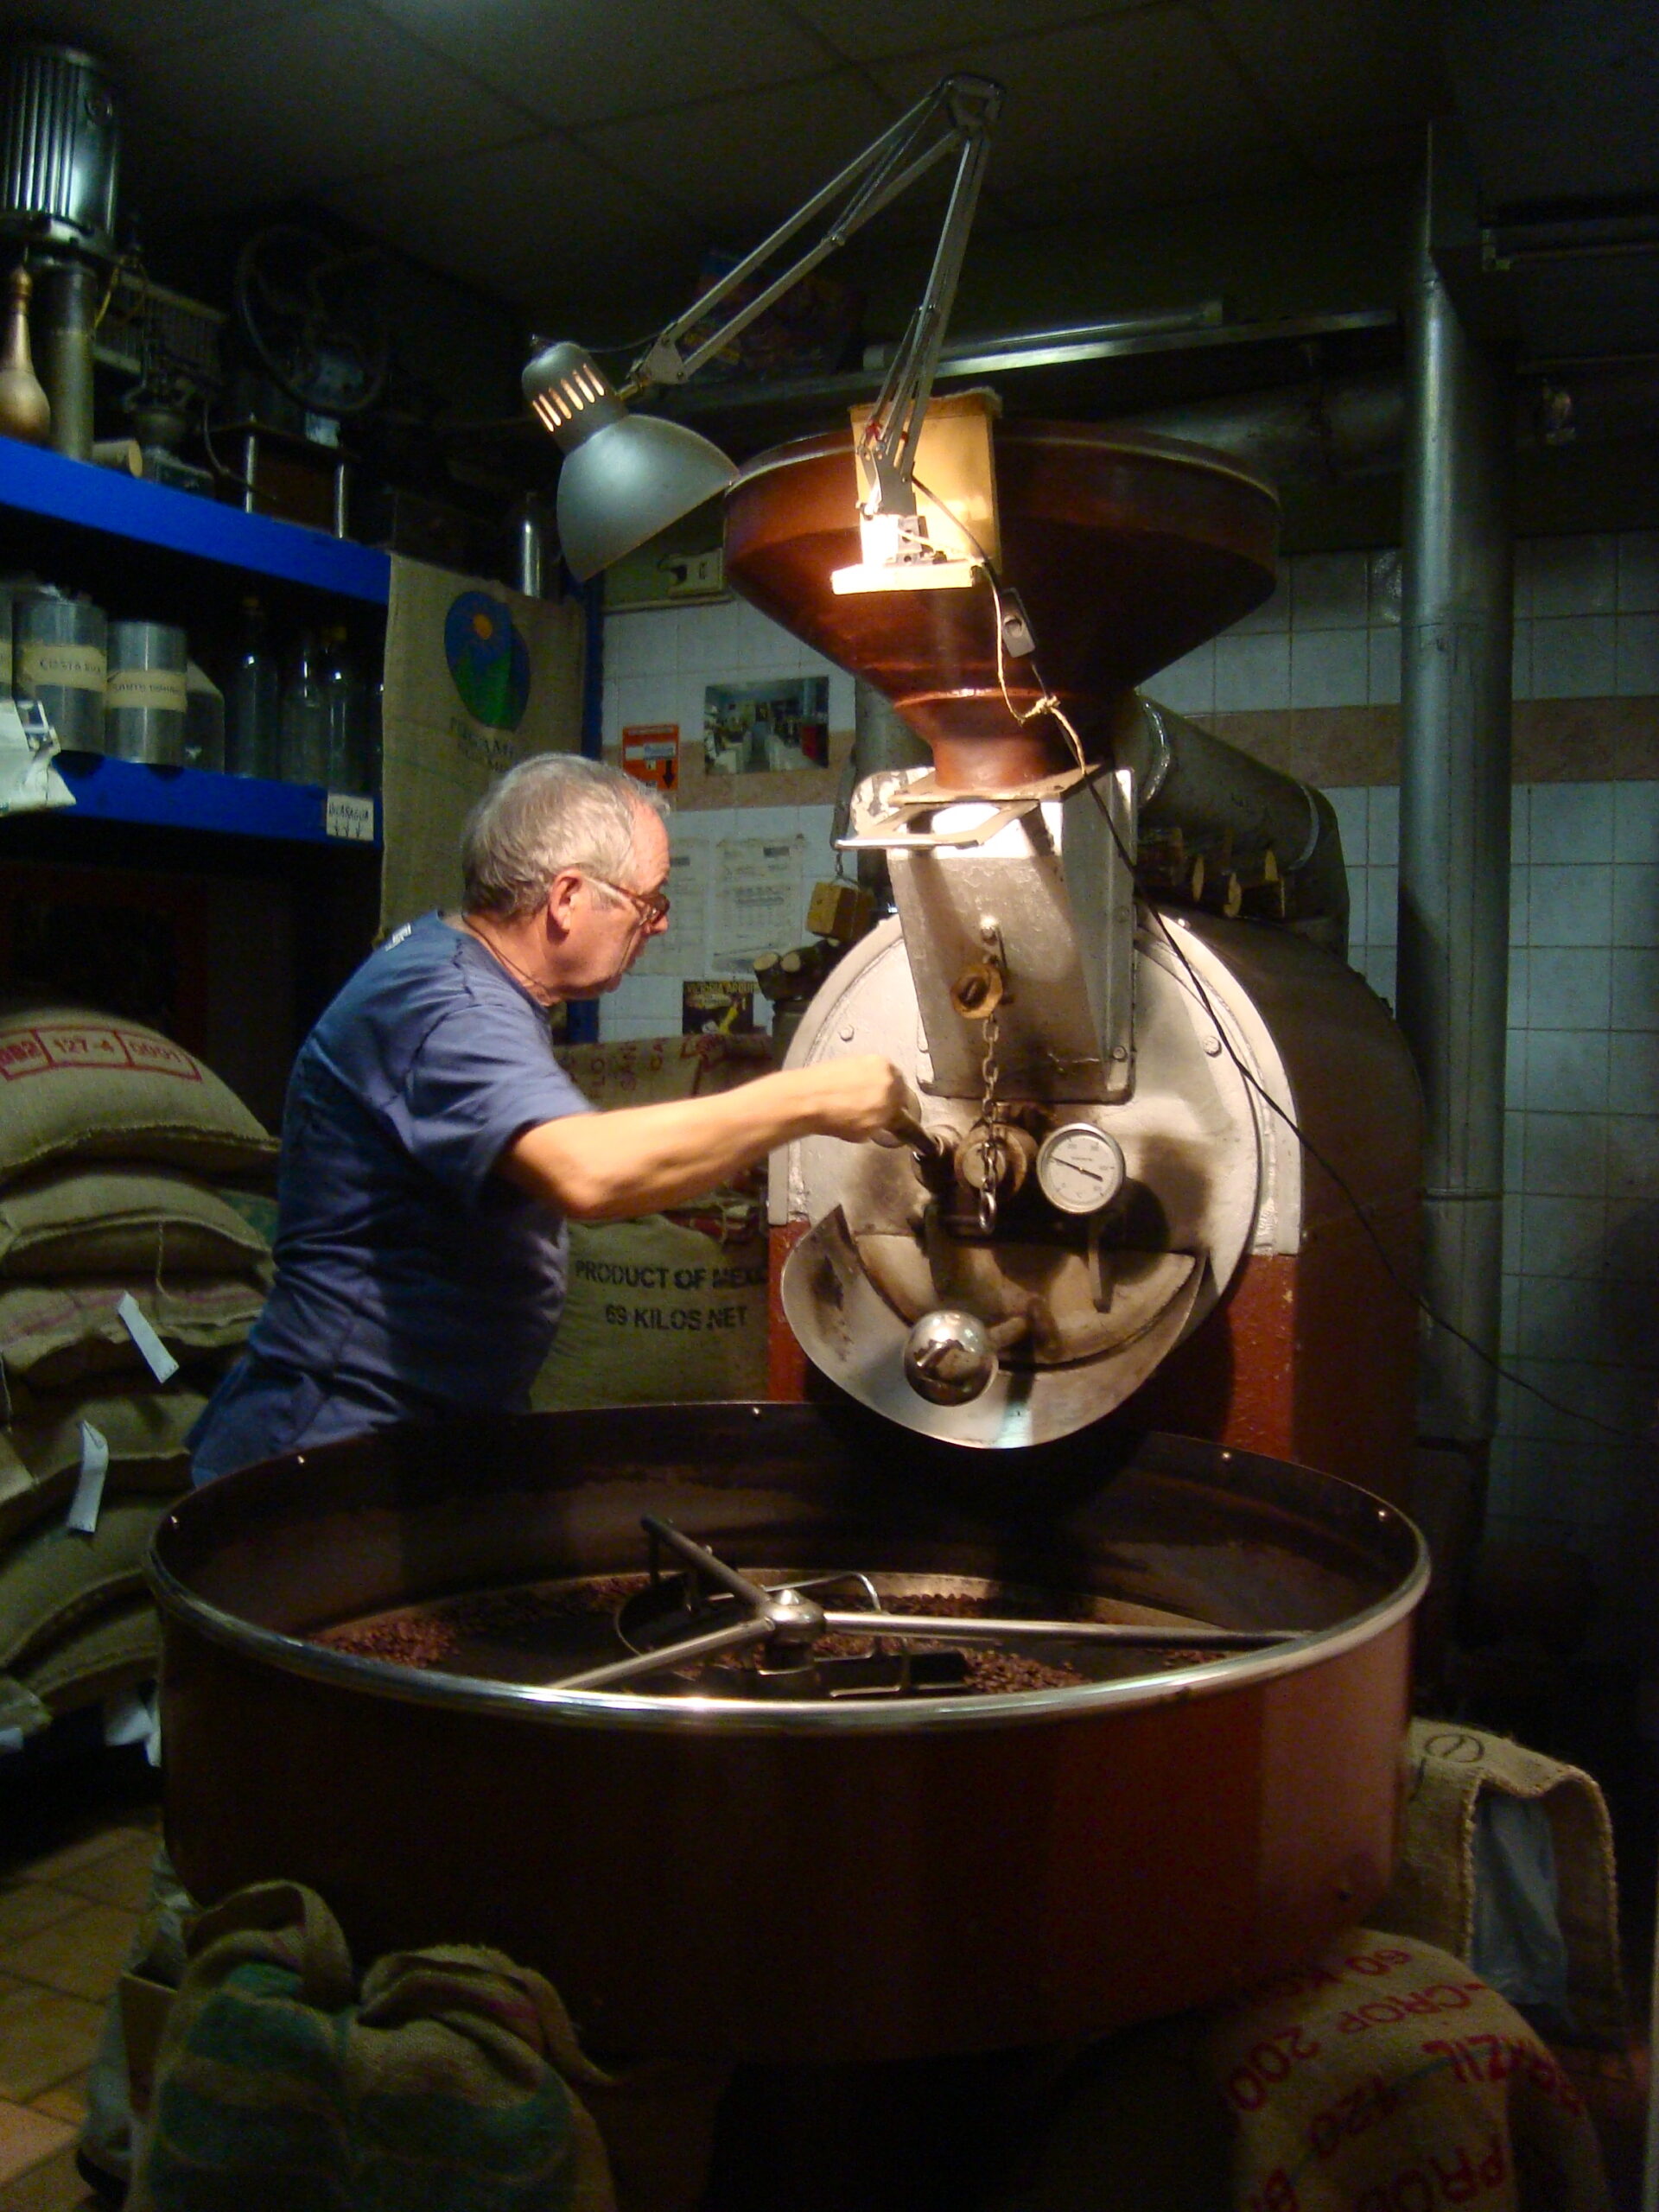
716,1006
752,729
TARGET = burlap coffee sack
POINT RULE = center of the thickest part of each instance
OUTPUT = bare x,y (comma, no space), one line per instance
1386,2078
75,1083
451,2079
110,1221
52,1580
657,1314
655,1071
53,1335
143,1431
111,1650
1433,1894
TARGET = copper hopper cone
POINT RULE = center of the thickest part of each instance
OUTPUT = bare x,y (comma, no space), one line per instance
1126,551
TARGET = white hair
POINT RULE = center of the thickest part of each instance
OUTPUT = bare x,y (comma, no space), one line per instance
554,811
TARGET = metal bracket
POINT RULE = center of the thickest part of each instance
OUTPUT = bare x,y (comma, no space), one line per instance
923,794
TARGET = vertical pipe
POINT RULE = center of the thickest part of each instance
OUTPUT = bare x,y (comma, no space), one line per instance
1454,828
63,340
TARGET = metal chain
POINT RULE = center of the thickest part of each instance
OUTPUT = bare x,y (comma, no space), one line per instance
991,1148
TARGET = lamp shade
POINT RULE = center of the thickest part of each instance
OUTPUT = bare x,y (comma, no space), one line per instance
630,479
625,477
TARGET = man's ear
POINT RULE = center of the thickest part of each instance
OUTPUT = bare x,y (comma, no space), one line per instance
561,899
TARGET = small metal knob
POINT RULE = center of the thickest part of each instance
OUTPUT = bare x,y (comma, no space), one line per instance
949,1358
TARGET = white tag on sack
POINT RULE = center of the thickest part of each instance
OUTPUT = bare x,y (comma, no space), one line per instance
82,1515
156,1356
129,1717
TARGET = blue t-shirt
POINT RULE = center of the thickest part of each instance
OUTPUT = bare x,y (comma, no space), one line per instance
410,1278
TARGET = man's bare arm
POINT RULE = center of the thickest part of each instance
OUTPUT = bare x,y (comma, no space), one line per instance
638,1159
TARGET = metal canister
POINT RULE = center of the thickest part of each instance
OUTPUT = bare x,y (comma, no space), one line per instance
144,695
59,658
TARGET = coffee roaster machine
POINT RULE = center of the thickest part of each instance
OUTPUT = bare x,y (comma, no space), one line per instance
1161,1177
1167,1151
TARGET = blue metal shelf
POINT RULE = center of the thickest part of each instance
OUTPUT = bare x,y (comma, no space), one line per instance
196,799
38,482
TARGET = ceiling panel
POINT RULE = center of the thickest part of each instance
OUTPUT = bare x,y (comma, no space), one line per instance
1324,72
114,29
1091,98
865,29
1559,101
589,61
1095,196
334,89
514,217
739,167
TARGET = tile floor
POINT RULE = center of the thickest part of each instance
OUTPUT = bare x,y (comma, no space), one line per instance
67,1913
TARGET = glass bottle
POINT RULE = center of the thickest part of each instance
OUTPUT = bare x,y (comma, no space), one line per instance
347,715
304,740
252,699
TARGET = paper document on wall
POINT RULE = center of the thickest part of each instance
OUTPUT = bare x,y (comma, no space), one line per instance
29,782
477,678
682,947
758,902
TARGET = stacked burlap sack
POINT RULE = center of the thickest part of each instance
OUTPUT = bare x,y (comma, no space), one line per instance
134,1212
671,1307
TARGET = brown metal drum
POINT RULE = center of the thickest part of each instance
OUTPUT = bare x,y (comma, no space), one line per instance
1127,552
799,1881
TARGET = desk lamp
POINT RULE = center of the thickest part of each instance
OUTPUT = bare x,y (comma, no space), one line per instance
625,476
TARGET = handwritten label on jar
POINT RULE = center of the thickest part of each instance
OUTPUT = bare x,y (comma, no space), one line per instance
347,816
77,668
157,688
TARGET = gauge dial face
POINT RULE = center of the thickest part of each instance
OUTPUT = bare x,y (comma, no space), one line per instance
1080,1168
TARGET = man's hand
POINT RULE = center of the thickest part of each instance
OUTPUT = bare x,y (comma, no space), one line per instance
863,1095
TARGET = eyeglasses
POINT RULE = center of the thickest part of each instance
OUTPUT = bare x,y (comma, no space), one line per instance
651,906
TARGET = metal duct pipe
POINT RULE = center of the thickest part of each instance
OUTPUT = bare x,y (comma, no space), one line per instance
1187,778
1458,562
1327,432
1338,432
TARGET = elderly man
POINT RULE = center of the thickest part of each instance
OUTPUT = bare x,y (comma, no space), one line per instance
432,1151
433,1148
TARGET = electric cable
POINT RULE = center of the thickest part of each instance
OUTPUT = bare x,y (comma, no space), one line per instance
1048,702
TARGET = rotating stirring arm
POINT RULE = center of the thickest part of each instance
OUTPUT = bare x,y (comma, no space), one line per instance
790,1623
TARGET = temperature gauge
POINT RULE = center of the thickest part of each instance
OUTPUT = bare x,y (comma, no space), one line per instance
1080,1168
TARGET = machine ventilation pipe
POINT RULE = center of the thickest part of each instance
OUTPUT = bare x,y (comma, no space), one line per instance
1345,429
1457,567
1221,830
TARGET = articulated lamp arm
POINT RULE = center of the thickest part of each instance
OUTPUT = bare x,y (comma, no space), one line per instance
958,113
627,477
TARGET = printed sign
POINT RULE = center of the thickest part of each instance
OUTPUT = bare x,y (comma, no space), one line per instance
651,754
347,816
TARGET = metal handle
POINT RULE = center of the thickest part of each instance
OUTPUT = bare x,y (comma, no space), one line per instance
905,1129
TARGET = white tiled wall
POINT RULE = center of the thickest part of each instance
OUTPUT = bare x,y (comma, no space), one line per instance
657,663
1581,1242
1581,1210
1586,626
